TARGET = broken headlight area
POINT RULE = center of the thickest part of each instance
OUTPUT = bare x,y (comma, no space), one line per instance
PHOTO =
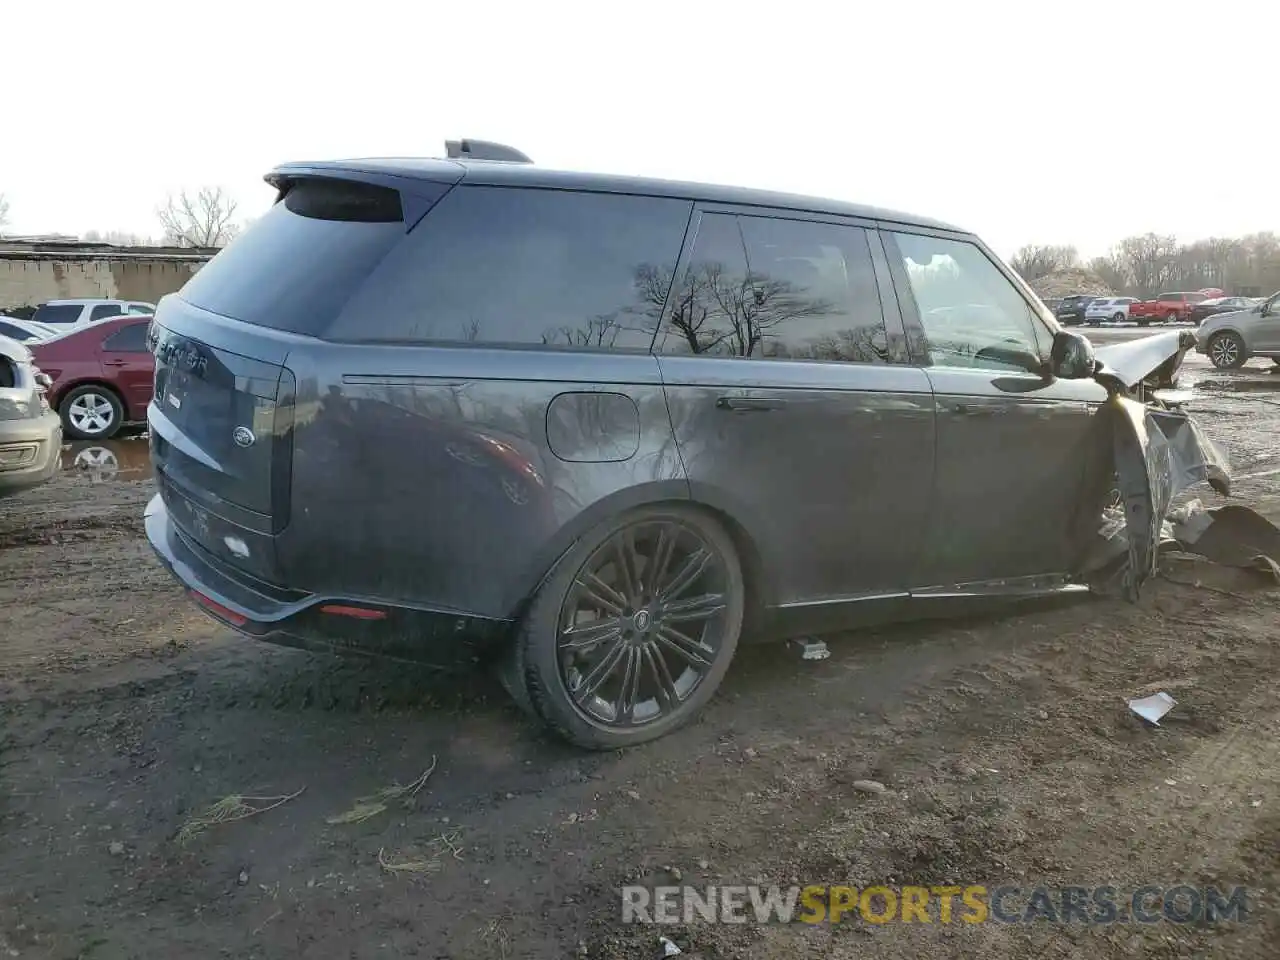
1150,450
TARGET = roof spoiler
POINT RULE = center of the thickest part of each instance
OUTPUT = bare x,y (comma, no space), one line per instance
483,150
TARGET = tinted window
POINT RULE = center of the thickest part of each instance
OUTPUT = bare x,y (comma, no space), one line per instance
14,333
505,266
806,291
712,291
814,291
971,314
60,313
299,263
132,339
104,310
141,308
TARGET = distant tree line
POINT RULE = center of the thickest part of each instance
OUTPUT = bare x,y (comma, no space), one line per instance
1143,266
204,218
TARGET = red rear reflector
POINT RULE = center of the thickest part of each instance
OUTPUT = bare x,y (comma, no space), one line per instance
358,613
219,610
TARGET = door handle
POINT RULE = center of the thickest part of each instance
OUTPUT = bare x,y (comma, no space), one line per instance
748,404
979,410
114,363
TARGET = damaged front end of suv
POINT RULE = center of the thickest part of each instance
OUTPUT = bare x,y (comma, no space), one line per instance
1148,451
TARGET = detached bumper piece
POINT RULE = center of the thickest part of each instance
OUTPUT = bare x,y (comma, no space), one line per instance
1156,454
326,624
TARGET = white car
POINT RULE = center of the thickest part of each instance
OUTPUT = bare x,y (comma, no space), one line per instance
1108,308
65,314
24,331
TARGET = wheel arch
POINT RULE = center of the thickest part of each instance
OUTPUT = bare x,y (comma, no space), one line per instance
714,502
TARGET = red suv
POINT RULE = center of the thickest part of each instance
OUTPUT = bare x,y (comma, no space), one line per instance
102,375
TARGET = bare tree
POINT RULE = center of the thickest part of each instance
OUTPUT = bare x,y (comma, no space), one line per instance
4,210
205,220
119,238
1035,261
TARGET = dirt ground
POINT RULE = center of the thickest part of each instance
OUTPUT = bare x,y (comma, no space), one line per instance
1004,742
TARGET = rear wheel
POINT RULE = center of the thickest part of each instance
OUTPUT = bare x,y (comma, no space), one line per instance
1227,351
91,413
1118,316
633,631
1171,316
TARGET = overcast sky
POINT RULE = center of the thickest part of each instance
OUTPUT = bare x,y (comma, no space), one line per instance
1051,122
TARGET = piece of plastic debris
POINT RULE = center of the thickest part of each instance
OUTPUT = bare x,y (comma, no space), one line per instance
669,949
811,648
1152,708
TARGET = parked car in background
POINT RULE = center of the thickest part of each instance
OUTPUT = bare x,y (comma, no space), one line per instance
25,331
1115,309
1230,339
1071,310
30,433
102,375
65,314
316,380
1215,305
1167,308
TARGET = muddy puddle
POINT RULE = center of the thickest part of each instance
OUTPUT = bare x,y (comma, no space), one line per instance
119,460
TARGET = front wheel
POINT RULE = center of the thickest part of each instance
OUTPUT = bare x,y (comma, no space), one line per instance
1171,317
1117,317
1227,351
633,631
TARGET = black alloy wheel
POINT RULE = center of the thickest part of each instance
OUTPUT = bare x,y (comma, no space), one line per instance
633,632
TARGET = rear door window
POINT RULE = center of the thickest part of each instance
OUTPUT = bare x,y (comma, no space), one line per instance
809,293
525,267
104,310
297,266
130,339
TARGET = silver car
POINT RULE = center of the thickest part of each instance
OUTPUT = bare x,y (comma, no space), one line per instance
30,433
1229,339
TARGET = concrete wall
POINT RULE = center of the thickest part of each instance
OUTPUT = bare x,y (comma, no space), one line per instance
27,280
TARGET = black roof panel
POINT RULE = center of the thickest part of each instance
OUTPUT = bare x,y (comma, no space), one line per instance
530,175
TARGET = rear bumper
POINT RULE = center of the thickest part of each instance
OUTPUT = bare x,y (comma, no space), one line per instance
30,450
329,624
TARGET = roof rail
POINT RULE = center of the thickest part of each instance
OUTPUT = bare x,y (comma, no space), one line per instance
483,150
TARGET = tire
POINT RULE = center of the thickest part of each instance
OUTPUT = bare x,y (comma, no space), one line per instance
91,412
1227,351
1118,317
632,633
1144,321
1171,317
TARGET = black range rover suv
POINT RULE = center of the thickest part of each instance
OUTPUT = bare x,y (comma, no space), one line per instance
598,428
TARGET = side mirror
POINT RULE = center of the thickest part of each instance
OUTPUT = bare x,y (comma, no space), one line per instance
1071,357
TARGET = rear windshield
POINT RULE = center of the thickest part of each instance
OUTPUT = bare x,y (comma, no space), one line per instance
297,266
59,313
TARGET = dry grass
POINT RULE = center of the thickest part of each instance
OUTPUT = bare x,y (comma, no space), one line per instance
365,808
446,843
498,937
230,809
